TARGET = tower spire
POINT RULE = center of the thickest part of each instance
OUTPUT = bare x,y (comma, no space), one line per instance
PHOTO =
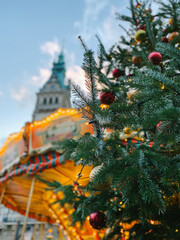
62,45
55,93
61,55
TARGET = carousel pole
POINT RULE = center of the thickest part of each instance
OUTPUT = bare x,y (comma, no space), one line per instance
27,208
16,228
1,198
61,236
34,232
42,232
2,193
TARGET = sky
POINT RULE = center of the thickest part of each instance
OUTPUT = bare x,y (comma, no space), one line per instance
32,33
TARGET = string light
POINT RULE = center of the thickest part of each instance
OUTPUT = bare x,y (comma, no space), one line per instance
153,222
104,106
17,136
162,87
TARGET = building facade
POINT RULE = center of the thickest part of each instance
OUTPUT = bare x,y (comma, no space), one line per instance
54,94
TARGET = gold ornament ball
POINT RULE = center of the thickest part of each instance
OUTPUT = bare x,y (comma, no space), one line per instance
131,93
172,36
93,173
140,35
170,21
60,195
127,130
136,60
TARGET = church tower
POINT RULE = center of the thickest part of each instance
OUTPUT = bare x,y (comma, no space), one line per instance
54,94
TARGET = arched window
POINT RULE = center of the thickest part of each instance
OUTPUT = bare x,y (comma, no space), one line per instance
56,100
44,100
50,100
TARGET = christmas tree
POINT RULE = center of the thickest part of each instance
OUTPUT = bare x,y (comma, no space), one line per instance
132,101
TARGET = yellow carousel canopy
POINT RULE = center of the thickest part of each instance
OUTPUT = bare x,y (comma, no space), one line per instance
28,154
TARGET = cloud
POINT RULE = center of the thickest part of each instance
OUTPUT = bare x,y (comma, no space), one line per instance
75,74
20,94
1,93
109,31
69,58
92,10
51,48
77,24
107,28
43,76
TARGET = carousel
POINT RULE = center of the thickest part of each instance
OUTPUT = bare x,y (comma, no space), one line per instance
30,155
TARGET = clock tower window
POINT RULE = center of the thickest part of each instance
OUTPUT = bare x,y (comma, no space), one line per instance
56,100
50,100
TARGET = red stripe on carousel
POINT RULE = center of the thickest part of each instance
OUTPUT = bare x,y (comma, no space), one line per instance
35,167
31,160
29,169
39,168
50,156
36,159
23,169
43,166
32,168
50,164
18,172
43,158
57,161
57,154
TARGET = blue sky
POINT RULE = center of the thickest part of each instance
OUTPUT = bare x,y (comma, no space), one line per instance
31,36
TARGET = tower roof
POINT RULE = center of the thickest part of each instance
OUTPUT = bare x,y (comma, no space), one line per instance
58,73
54,94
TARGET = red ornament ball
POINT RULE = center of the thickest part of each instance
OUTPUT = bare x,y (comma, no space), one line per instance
155,58
97,220
164,40
116,73
159,126
107,97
